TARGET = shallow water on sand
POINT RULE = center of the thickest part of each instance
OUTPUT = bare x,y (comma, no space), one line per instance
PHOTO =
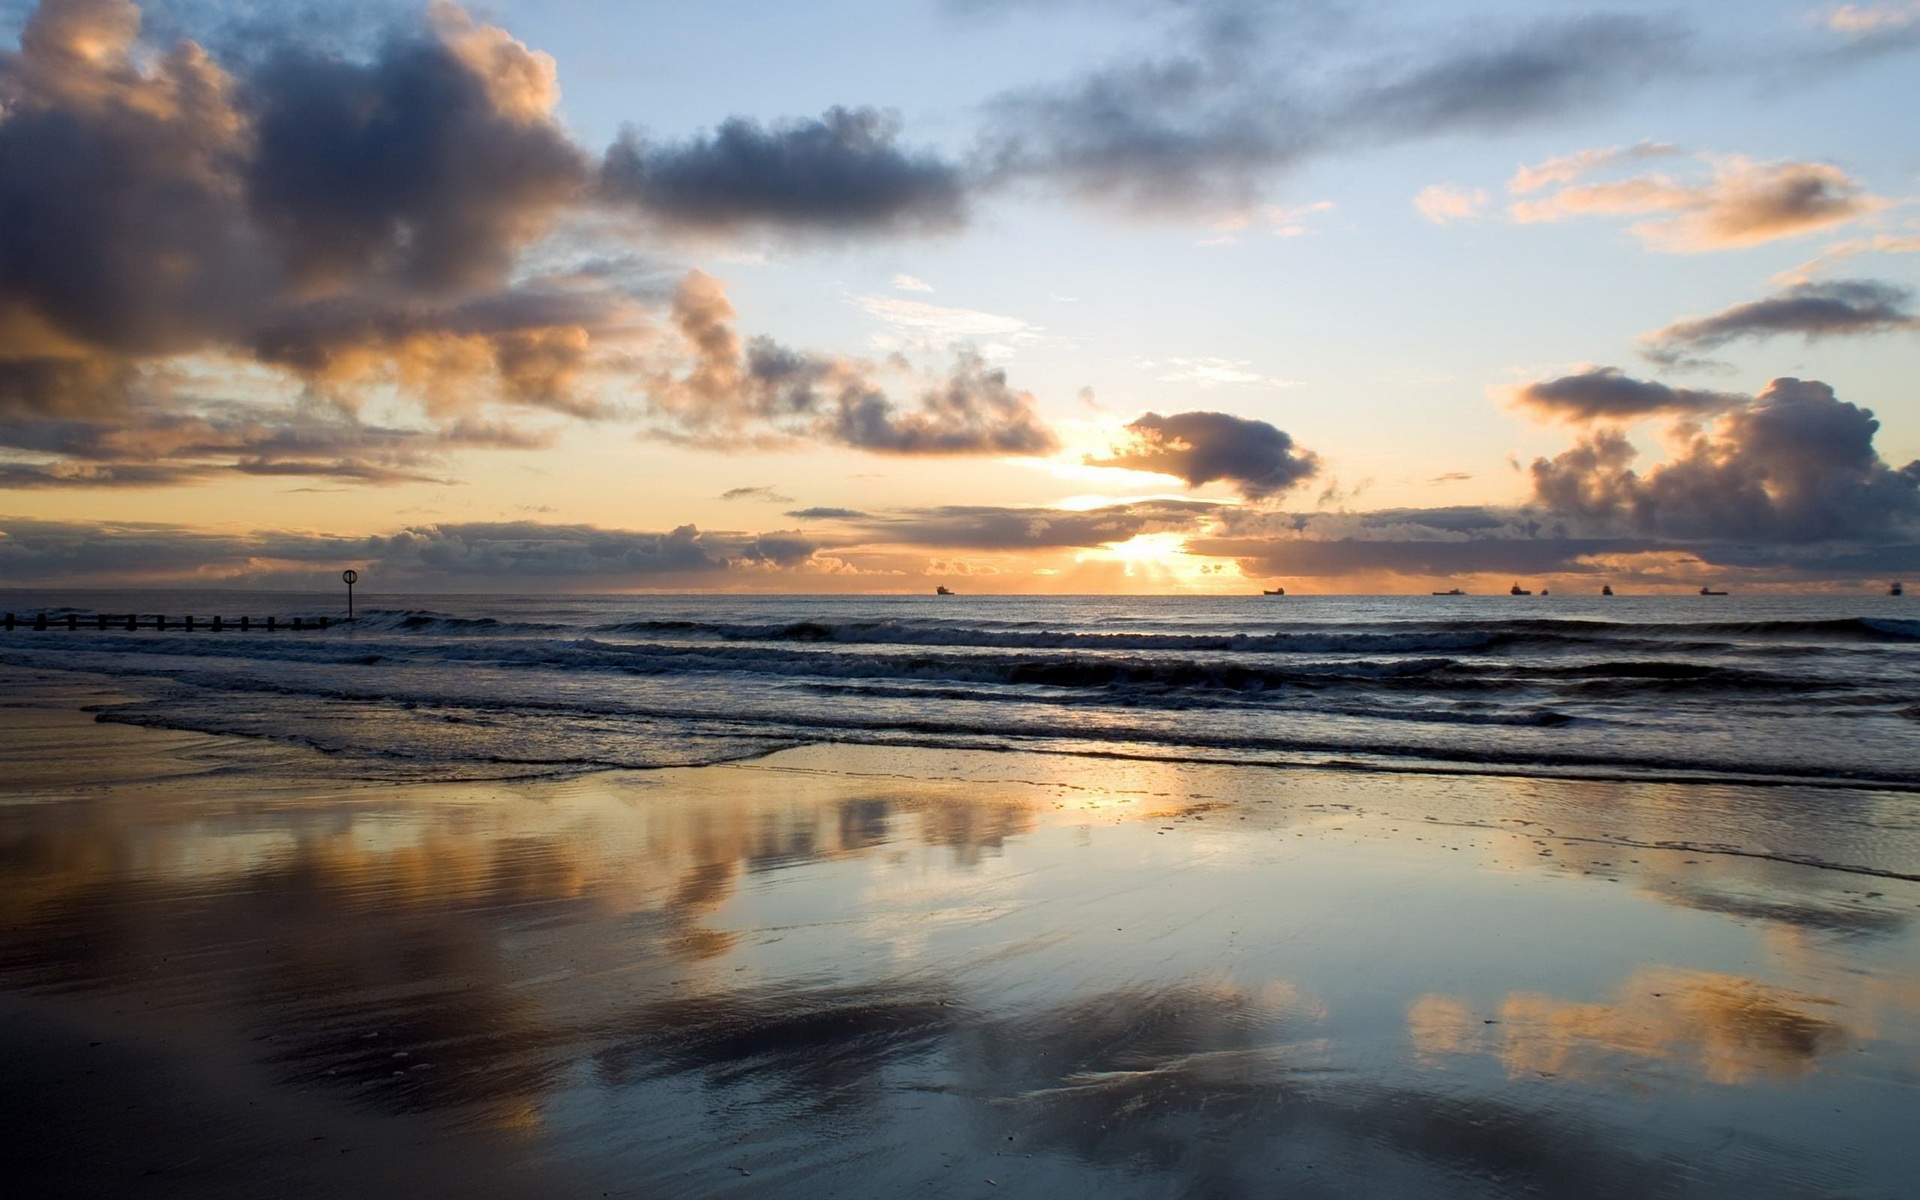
869,971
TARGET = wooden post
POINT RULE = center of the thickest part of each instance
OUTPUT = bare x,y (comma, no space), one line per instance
323,622
9,622
160,622
271,623
103,620
40,623
216,625
298,624
189,624
243,624
131,626
73,622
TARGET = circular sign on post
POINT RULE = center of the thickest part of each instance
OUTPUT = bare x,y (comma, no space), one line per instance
351,576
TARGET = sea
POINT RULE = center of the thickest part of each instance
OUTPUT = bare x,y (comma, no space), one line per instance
1815,689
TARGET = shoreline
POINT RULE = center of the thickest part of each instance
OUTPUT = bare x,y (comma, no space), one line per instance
874,969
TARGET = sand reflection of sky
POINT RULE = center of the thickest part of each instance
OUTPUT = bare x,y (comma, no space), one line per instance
1179,979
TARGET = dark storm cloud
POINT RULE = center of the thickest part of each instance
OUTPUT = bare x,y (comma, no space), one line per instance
515,553
1813,310
1605,393
1201,447
845,172
738,387
1796,465
989,527
1209,125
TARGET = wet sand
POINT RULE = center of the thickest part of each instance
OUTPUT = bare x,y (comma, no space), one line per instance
879,972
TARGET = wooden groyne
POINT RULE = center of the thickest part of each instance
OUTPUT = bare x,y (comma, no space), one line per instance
159,623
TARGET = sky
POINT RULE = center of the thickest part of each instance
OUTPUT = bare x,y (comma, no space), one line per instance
1010,296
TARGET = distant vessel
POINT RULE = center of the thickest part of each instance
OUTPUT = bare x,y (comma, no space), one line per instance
1451,592
1545,592
942,590
1517,590
1710,592
1896,588
1606,589
1273,592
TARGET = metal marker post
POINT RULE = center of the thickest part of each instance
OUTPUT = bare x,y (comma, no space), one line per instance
351,577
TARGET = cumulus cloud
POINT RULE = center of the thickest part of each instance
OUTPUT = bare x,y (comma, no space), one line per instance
738,386
844,172
519,554
361,220
1606,393
311,211
1813,310
1744,203
1796,465
1208,125
1258,459
1788,483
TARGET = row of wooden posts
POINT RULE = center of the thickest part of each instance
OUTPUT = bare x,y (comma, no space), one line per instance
132,622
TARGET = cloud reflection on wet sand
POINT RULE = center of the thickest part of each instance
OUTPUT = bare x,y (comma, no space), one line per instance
1163,978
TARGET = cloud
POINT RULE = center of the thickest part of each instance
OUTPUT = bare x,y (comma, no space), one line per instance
1207,126
756,493
1813,310
152,446
1566,168
908,283
1605,393
991,527
1202,447
1786,485
343,219
737,386
1872,19
824,513
844,172
1205,373
518,554
1796,465
939,324
1745,203
1883,243
1316,557
1441,203
430,166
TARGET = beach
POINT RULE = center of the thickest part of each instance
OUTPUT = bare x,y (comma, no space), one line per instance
244,966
